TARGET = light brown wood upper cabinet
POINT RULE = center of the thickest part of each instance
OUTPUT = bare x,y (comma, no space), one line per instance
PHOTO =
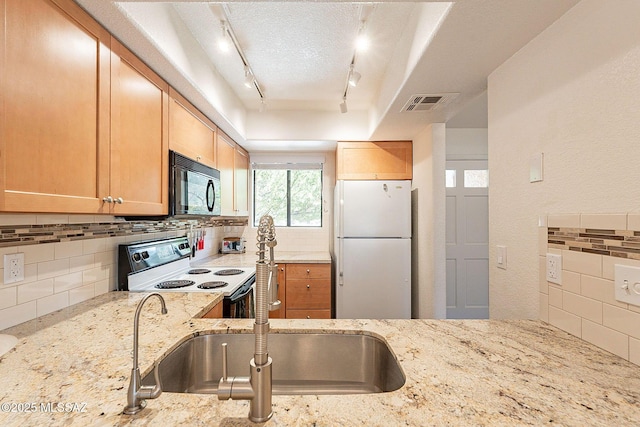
139,136
233,164
191,133
85,123
54,86
241,181
374,160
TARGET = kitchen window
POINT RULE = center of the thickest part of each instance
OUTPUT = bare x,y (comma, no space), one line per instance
290,193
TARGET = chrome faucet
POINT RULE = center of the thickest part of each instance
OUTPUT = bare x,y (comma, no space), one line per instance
257,388
137,393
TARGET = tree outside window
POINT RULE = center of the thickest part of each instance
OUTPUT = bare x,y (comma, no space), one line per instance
291,194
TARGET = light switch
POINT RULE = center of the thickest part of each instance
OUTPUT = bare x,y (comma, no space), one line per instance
627,283
535,168
502,257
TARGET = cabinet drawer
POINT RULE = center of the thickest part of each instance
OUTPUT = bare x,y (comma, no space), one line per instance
308,314
309,271
308,294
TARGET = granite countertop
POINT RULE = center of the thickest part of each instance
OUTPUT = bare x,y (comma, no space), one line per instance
249,259
476,372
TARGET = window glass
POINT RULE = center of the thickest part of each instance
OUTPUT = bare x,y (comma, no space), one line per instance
450,178
476,178
293,196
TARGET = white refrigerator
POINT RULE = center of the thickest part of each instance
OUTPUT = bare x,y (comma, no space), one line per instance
372,249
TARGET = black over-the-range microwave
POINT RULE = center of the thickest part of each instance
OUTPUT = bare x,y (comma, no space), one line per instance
194,188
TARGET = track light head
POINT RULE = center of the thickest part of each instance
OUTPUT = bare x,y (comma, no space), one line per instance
354,78
224,44
343,106
248,78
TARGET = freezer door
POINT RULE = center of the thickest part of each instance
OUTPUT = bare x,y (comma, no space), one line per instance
375,208
373,279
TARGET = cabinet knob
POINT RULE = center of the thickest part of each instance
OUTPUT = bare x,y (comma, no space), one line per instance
308,286
119,200
107,199
308,271
308,317
198,158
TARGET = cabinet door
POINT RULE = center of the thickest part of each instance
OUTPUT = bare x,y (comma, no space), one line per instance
139,140
374,160
54,129
241,182
190,132
226,150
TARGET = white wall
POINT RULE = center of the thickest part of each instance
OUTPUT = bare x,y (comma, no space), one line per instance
572,93
467,143
428,246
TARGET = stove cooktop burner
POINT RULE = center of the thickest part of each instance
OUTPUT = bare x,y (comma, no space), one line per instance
199,271
174,284
229,272
212,285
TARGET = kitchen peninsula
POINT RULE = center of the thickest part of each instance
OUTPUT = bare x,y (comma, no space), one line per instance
474,372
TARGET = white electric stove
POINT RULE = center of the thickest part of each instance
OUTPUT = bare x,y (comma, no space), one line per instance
164,266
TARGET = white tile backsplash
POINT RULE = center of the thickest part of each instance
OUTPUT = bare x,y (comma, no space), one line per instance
589,308
38,253
58,275
52,303
51,269
17,314
35,290
67,282
82,293
67,249
8,297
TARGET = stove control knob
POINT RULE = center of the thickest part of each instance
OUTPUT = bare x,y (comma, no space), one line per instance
145,255
136,257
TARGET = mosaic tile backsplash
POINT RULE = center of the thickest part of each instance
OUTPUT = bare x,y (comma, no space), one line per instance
616,243
20,235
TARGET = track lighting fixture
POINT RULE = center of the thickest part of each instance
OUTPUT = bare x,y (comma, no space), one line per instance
361,44
249,78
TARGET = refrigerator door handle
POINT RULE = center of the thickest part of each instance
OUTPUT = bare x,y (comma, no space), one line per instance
340,257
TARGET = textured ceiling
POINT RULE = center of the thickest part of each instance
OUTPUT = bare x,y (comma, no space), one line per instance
300,53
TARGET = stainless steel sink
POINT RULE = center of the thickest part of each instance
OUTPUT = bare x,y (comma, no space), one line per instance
302,364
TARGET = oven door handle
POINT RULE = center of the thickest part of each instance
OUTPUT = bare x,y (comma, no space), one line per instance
235,298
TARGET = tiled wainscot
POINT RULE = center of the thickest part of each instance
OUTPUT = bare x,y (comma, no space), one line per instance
584,304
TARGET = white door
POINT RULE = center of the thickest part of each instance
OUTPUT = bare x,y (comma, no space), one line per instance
467,234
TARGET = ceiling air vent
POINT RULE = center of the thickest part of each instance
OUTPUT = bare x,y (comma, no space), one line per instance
429,102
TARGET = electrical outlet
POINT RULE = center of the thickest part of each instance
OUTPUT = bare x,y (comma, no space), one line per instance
13,268
554,268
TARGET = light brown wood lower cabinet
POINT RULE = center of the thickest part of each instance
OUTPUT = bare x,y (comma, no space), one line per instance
215,312
308,291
